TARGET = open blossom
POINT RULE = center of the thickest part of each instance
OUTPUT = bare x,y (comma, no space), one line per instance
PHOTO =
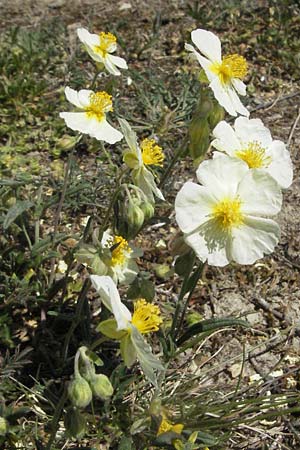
100,47
121,265
92,120
129,327
139,158
252,142
227,217
224,74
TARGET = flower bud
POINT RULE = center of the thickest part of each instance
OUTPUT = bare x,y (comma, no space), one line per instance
66,142
3,426
75,423
155,407
135,218
101,386
216,115
148,210
80,392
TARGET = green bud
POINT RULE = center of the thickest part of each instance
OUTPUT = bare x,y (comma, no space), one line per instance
216,115
3,426
101,386
56,152
135,217
79,392
75,423
66,142
148,210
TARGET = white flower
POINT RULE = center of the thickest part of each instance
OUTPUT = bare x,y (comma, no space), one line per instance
128,328
252,142
93,120
100,46
227,218
224,74
121,265
138,157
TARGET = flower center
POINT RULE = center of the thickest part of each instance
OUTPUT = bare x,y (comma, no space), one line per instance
232,66
254,155
146,317
227,213
107,41
100,103
120,251
152,153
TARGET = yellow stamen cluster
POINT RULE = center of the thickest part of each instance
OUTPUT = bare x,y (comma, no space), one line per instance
100,103
166,426
227,214
152,153
232,66
106,41
146,316
254,155
120,252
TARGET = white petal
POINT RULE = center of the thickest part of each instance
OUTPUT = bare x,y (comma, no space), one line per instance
193,205
87,38
119,62
109,294
103,131
84,96
281,167
208,43
204,62
72,97
110,67
209,244
250,130
106,237
226,139
239,86
260,194
78,121
131,138
236,102
222,95
254,239
222,175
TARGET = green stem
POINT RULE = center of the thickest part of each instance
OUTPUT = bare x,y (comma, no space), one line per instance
197,275
112,201
56,417
182,293
80,302
173,161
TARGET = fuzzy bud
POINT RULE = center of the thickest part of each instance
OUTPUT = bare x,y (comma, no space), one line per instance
101,386
148,210
79,392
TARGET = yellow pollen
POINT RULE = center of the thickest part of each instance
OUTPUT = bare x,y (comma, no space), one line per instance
152,153
166,425
107,40
227,213
254,155
146,317
121,251
100,103
232,66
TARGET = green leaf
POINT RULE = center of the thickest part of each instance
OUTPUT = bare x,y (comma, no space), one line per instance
15,211
150,364
128,351
109,328
94,358
210,325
